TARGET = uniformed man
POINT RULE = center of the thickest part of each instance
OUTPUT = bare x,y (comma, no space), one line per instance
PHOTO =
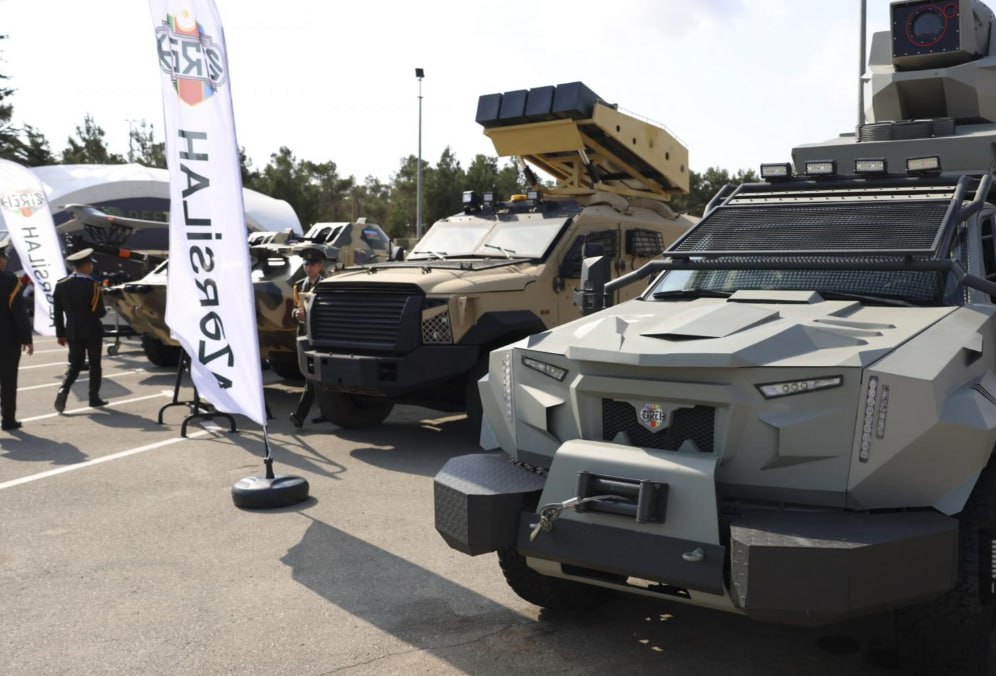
15,337
80,299
314,271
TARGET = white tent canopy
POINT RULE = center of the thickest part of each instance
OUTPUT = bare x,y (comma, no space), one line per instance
137,191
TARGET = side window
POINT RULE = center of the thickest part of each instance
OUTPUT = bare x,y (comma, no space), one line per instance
644,243
571,265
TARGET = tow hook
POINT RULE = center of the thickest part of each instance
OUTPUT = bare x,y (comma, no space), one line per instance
550,512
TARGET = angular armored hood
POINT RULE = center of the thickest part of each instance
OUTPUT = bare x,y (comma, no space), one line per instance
727,333
446,277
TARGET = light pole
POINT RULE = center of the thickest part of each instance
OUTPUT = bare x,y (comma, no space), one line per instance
419,73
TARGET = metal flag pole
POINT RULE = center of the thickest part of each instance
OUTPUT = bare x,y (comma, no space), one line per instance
419,73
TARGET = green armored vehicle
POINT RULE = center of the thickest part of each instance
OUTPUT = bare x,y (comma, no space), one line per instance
419,331
276,265
795,420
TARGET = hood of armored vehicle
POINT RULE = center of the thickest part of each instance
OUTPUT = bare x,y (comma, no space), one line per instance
448,277
723,333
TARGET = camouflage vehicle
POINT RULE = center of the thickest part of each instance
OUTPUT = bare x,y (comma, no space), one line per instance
276,265
419,331
795,421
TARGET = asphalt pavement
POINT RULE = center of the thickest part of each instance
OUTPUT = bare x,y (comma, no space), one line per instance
121,552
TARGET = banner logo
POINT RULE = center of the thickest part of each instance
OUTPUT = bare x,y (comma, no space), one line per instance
191,58
26,202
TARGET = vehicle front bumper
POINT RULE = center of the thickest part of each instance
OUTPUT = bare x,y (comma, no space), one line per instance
391,376
793,566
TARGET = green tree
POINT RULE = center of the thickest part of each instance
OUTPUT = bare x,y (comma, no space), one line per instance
89,147
484,174
288,179
143,148
250,177
36,151
11,147
442,189
703,187
332,191
370,200
401,212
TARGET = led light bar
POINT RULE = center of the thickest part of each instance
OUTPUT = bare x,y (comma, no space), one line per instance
923,165
506,384
870,166
821,167
790,387
871,399
777,170
554,372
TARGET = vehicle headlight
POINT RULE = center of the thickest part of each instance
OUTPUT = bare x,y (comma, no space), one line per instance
554,372
790,387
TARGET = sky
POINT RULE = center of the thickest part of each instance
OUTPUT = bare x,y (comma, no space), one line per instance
739,82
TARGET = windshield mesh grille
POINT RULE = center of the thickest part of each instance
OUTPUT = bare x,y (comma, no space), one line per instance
913,225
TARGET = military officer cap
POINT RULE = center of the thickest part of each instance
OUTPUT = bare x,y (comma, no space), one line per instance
80,257
313,255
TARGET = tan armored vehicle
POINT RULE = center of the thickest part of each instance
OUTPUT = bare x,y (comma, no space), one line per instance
419,331
276,265
796,420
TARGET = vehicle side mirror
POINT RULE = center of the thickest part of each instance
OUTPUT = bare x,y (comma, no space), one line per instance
595,273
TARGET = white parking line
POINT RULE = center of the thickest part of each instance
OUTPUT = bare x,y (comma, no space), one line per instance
62,363
83,379
110,404
106,458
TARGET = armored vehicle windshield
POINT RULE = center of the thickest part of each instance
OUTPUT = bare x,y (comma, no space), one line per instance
505,234
890,244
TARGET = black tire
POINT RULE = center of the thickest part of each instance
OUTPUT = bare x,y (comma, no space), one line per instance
159,353
352,411
286,367
953,633
545,591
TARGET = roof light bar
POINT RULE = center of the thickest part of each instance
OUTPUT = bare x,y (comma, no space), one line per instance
923,165
776,171
821,167
471,200
870,166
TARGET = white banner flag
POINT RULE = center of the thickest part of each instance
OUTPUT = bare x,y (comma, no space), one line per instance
209,298
28,219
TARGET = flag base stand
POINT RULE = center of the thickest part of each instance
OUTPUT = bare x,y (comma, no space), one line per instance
199,410
269,491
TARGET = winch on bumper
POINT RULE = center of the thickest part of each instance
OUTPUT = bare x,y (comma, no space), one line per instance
647,516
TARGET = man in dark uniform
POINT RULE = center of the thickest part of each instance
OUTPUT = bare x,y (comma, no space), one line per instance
15,336
314,270
80,299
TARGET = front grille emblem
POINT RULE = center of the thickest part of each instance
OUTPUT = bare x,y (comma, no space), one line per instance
653,416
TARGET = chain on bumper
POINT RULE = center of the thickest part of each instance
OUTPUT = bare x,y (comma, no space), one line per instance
548,513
